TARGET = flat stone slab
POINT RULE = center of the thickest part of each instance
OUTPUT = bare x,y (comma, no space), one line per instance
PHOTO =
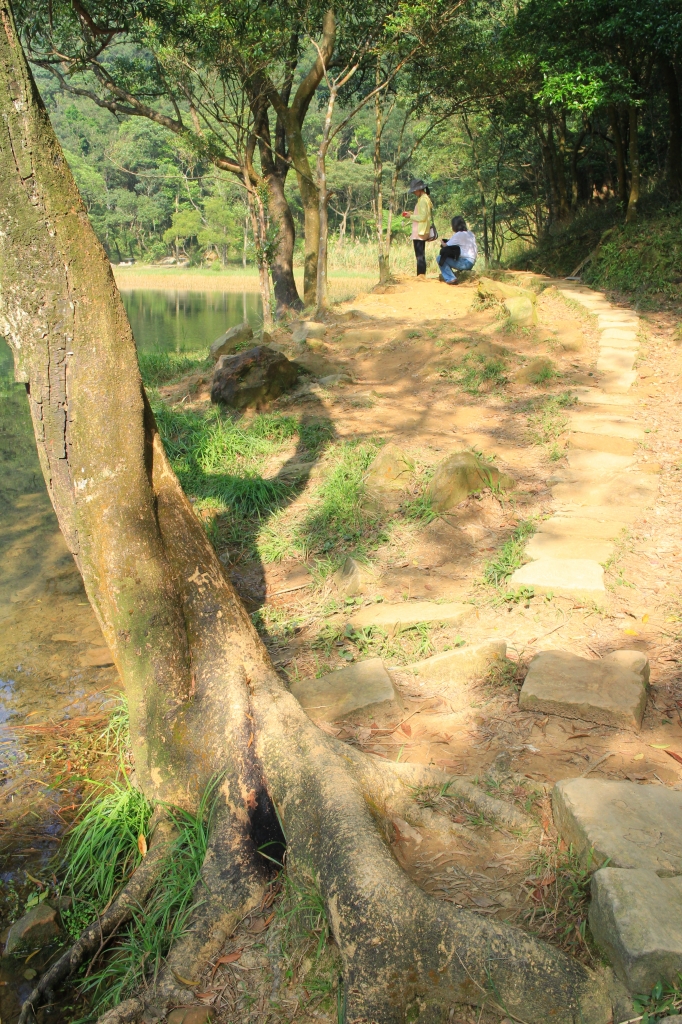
598,462
638,489
452,668
602,513
611,691
36,928
605,423
557,545
616,360
626,344
618,383
631,826
636,919
602,443
338,693
595,396
577,526
617,333
570,577
409,613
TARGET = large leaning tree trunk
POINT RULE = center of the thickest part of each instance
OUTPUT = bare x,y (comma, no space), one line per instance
203,695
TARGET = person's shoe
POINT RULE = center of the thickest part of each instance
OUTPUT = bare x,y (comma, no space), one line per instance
453,282
421,277
440,277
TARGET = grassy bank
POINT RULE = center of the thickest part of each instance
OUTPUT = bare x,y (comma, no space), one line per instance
641,260
352,269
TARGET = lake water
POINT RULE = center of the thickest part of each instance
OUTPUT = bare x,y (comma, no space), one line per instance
183,321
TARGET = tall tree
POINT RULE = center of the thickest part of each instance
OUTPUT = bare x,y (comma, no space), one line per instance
203,695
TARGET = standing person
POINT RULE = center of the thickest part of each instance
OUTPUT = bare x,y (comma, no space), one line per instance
449,259
422,219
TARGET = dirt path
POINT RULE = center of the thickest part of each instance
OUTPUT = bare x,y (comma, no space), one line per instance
422,370
594,448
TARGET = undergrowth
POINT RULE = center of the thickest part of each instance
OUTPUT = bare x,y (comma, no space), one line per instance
477,370
547,421
510,556
559,899
101,852
664,1000
159,368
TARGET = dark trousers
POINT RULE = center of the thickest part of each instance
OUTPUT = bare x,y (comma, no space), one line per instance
420,253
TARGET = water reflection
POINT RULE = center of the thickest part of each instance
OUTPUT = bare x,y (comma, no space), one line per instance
177,321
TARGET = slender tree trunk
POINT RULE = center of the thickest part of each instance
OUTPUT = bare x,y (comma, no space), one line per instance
633,200
621,173
259,229
203,695
674,156
383,245
310,201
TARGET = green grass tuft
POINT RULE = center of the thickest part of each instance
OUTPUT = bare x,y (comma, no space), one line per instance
476,370
510,556
159,368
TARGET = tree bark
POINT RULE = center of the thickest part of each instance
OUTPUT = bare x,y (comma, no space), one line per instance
633,200
203,695
674,156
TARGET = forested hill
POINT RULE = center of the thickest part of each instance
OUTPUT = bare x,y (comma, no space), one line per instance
544,122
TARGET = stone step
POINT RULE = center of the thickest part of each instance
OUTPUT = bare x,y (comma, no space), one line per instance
636,920
576,526
580,578
594,396
600,513
604,423
615,360
638,489
618,383
555,545
619,316
337,694
609,334
598,462
631,826
453,668
610,691
622,446
623,344
393,617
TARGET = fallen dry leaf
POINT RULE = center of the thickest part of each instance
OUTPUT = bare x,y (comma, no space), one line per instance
676,757
260,924
142,845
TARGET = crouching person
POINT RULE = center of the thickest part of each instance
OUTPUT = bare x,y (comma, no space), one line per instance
458,252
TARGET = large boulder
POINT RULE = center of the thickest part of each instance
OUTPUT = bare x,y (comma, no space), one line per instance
231,340
521,310
459,476
306,330
252,378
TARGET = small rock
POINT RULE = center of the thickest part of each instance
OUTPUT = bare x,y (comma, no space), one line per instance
338,693
30,974
636,919
391,470
352,578
459,476
35,928
229,341
410,613
265,338
571,340
252,378
198,1015
96,657
631,826
307,329
611,691
332,379
521,310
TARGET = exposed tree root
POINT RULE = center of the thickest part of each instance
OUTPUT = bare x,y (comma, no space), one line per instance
133,895
125,1013
403,951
